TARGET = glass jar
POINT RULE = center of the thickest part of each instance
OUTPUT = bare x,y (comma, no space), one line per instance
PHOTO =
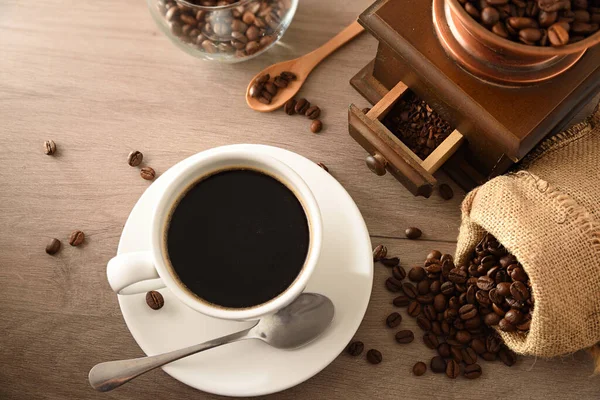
225,30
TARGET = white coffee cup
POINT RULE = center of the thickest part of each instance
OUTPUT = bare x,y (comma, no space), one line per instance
139,272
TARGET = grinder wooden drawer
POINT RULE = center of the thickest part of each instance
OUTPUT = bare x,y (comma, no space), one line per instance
388,153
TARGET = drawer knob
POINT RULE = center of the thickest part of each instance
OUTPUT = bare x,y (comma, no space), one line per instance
376,164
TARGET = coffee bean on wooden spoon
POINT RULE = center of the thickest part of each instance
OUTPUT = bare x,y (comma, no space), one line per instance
301,67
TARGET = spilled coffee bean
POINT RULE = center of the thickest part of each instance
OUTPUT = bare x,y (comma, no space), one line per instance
374,356
379,252
355,348
393,320
155,300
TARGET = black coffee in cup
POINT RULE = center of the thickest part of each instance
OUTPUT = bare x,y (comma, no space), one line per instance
237,238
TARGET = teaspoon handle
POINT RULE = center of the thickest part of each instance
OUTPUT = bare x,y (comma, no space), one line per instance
347,34
109,375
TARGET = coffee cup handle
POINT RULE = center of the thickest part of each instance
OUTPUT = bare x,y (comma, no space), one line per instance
133,273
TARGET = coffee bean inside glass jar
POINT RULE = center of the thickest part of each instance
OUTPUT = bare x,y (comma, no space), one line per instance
223,29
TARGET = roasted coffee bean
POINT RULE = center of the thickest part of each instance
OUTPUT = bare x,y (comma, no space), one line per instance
390,262
49,147
473,324
393,285
424,323
558,35
410,290
301,106
393,320
374,356
429,312
499,310
472,371
445,191
380,251
155,300
316,126
414,308
469,356
503,289
401,301
519,23
454,303
463,336
518,274
514,316
416,274
514,303
438,364
313,112
506,326
289,76
519,291
147,173
256,89
355,348
405,336
439,302
452,369
457,276
53,246
413,233
492,319
423,287
444,350
508,357
419,368
433,268
490,16
525,325
280,82
487,356
478,345
458,324
436,328
435,287
289,110
495,296
456,353
135,158
398,272
271,88
263,79
76,238
483,298
431,340
434,255
447,288
425,298
485,283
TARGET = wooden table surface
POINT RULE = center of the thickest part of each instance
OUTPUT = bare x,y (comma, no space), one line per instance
100,80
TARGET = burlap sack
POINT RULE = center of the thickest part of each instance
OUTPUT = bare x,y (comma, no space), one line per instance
548,216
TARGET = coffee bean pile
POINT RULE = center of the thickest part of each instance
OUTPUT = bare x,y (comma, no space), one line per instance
303,107
419,127
238,31
264,89
458,307
537,22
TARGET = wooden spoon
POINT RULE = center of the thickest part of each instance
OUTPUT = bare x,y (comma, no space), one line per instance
302,67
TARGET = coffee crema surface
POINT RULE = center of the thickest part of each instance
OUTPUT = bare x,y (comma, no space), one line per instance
238,238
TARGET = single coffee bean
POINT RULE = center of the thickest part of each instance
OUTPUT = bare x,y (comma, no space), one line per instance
435,287
271,88
410,290
355,348
263,79
500,30
301,106
457,276
401,301
393,285
380,251
487,356
519,23
514,303
289,110
431,340
463,336
514,316
76,238
492,319
436,328
498,310
374,356
519,291
414,309
530,35
547,18
433,269
495,297
485,283
445,326
424,323
316,126
419,368
147,173
490,16
323,166
467,311
456,353
155,300
478,345
473,324
472,371
503,289
416,274
430,313
280,82
506,326
454,303
444,350
288,76
390,262
135,158
256,89
434,255
493,344
413,233
398,272
438,364
53,247
313,112
447,288
452,369
508,357
469,356
393,320
446,191
425,298
405,336
49,147
439,302
558,35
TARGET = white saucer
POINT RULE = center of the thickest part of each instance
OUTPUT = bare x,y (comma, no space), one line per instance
252,368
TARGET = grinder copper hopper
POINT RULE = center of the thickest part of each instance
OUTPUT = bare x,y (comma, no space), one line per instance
502,97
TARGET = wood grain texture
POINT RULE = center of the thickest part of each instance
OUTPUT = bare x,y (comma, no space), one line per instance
100,80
